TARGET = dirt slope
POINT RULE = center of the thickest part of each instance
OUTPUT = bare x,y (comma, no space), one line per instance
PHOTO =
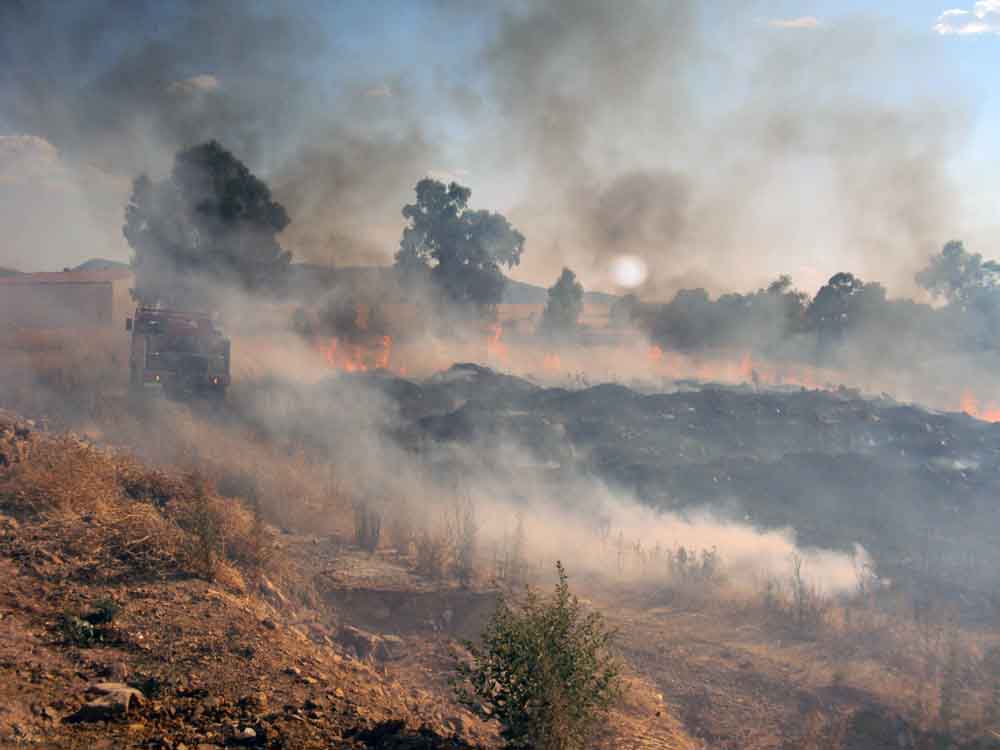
116,577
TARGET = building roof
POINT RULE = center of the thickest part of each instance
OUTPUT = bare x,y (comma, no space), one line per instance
66,277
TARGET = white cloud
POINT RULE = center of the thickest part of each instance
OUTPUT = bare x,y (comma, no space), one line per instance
804,22
194,85
984,18
38,186
379,91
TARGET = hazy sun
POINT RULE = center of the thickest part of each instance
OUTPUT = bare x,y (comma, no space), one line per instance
629,270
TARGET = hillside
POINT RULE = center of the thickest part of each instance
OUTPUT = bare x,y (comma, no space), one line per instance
141,609
102,264
115,573
381,280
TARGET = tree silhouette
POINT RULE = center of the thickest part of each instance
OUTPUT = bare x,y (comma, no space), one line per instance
562,311
462,250
211,223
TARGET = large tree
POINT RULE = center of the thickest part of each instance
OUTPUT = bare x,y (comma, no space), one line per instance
844,303
565,303
961,277
211,223
461,249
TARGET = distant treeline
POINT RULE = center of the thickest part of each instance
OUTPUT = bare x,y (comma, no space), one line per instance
846,313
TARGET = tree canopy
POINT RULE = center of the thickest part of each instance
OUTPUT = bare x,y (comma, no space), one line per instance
844,302
959,276
212,222
565,303
462,249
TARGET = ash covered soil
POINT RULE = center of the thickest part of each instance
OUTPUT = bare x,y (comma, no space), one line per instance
916,488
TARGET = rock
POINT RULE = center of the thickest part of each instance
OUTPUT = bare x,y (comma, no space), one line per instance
459,724
364,644
271,590
269,623
114,701
390,648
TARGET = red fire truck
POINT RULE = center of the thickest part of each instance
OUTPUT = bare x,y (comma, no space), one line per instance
179,354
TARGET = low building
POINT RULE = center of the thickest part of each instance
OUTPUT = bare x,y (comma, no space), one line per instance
68,299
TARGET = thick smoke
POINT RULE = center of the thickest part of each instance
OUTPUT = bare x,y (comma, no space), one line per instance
650,138
720,148
123,95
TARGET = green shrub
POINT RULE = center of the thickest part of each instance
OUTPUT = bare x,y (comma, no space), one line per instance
543,671
89,628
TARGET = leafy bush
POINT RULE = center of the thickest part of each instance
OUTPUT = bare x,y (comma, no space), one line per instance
543,671
103,613
89,628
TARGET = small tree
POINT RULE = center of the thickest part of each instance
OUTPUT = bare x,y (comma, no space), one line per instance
543,671
562,312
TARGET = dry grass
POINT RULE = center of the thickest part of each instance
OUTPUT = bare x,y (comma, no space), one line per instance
112,517
66,374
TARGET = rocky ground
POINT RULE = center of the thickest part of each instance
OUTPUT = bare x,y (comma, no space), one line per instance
96,652
106,656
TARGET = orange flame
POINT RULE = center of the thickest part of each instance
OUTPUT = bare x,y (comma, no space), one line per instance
551,363
382,360
746,371
337,358
330,352
495,347
971,406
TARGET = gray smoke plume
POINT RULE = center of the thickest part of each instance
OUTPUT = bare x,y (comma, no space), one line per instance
647,139
721,148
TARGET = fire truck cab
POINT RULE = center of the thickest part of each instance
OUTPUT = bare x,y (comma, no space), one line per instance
179,354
